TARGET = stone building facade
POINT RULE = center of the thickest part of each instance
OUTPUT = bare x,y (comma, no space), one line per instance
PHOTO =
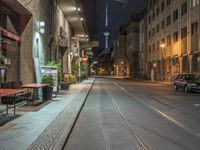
43,46
143,65
173,38
134,50
121,63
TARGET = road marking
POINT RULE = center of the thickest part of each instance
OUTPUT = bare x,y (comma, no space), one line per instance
159,112
196,105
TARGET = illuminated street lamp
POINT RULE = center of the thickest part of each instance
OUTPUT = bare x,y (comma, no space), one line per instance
161,71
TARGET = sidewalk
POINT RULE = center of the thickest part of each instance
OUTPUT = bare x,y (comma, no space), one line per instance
48,127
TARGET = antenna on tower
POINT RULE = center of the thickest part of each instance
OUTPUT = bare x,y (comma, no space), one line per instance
106,24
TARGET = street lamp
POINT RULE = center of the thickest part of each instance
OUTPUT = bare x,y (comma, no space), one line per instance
161,71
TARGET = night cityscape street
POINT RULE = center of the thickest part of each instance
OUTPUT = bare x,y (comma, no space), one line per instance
99,74
125,114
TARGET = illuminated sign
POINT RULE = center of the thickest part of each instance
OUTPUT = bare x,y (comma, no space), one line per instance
84,59
10,35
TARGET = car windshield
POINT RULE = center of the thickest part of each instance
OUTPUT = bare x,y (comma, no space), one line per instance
191,77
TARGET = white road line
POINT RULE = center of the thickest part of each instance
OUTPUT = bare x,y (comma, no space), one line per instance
159,112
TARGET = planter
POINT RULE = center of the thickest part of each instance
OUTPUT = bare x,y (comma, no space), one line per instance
47,93
64,86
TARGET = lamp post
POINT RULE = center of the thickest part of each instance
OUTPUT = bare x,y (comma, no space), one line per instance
161,71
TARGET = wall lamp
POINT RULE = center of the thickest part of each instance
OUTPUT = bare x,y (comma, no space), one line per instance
42,27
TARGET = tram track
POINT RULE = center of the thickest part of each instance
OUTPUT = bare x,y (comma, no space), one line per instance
159,112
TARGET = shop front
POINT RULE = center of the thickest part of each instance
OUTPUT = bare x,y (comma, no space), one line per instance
10,51
14,18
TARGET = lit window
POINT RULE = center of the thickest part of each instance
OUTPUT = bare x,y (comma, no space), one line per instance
175,36
168,40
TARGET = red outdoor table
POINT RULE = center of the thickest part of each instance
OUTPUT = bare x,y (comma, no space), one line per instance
35,87
8,92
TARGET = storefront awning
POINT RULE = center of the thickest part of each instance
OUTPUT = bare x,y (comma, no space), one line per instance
18,15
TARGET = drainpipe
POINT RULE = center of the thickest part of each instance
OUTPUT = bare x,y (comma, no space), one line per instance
18,61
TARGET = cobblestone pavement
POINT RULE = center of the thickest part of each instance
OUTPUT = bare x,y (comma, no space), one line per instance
47,127
50,136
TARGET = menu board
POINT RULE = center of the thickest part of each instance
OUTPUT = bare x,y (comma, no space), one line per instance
45,70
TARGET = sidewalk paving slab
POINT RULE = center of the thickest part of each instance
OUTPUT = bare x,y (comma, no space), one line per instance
42,129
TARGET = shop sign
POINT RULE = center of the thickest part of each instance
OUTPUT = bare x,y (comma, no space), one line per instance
7,61
10,35
84,59
174,61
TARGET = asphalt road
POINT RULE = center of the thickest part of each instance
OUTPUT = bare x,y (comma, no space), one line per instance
134,115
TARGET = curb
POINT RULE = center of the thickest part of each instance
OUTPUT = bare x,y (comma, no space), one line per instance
64,137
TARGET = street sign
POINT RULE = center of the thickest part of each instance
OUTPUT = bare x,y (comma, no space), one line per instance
174,61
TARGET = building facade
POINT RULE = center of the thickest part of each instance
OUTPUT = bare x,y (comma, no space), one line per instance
172,38
143,65
134,49
121,63
42,34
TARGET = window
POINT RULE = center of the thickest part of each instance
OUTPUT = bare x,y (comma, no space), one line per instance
194,28
153,16
149,34
153,31
168,20
157,45
157,28
183,33
175,15
184,8
168,40
154,47
162,5
149,19
163,41
157,11
149,49
168,2
162,24
195,3
175,36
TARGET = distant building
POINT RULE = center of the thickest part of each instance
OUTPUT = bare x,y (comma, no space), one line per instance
133,44
121,63
143,65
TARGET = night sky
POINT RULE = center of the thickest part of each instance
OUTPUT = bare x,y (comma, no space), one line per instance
118,14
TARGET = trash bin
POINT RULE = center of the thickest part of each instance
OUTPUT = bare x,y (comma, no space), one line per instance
47,92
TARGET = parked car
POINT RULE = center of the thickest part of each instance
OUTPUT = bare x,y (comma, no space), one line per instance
187,82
